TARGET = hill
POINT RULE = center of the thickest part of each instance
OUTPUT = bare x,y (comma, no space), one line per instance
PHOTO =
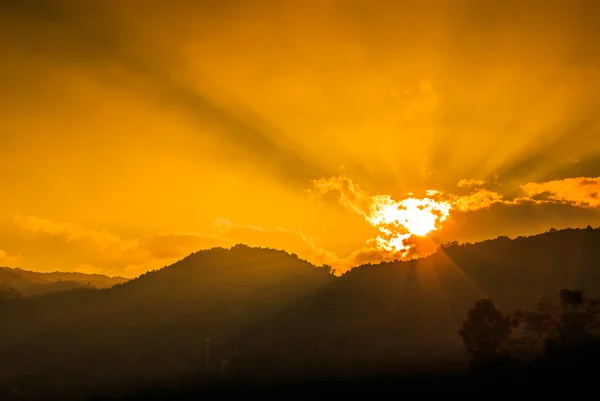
271,316
152,328
8,293
31,283
407,314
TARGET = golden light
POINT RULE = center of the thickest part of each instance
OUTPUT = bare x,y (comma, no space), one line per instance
418,216
398,220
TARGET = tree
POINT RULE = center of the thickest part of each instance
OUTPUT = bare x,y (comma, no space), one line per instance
569,325
580,317
485,330
541,320
571,299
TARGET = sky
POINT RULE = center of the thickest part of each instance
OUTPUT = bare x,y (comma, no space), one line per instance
133,133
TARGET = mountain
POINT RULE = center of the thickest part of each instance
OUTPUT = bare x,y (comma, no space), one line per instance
31,283
272,316
8,293
154,327
407,314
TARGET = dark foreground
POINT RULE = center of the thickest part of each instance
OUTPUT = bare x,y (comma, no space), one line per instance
380,387
250,322
491,381
385,387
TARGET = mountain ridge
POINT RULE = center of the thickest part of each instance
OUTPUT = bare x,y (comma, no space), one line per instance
271,315
31,283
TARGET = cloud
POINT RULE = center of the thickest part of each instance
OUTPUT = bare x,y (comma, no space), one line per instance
112,254
469,182
100,251
580,191
100,238
519,217
489,110
350,195
395,220
479,199
278,238
8,260
382,209
475,216
303,246
372,252
399,220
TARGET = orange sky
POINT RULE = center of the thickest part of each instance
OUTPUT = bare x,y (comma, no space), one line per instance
135,132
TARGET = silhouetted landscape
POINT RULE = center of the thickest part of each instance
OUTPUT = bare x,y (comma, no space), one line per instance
23,283
242,318
290,199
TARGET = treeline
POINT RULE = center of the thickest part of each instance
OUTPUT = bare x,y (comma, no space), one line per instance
248,315
553,343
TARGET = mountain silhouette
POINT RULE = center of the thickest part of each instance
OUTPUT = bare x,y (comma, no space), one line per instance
407,314
9,293
152,328
30,283
258,314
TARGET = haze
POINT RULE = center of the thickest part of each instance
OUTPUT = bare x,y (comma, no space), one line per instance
133,133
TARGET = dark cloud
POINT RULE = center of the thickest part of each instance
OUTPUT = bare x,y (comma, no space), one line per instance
587,181
526,217
542,196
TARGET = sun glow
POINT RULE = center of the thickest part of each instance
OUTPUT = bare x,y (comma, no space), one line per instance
418,216
398,220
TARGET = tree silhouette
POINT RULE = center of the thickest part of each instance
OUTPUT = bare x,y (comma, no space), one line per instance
485,330
580,317
541,320
571,299
562,328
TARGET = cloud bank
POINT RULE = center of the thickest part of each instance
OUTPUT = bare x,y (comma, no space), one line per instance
479,214
100,251
414,226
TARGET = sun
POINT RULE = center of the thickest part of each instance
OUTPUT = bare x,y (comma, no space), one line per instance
418,218
398,220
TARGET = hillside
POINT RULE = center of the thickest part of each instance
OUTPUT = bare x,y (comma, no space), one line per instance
31,283
154,327
271,315
408,314
8,293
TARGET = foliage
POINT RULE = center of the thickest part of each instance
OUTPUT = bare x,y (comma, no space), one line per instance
570,299
541,320
278,315
570,325
485,330
557,342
